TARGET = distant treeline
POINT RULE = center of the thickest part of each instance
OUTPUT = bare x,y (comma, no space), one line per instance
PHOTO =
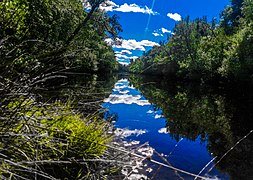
199,49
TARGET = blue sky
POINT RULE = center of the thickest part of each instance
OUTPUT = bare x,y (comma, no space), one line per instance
147,22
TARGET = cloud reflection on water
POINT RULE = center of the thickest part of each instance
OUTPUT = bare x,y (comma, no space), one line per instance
121,95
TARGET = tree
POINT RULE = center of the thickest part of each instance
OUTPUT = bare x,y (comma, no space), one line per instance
51,35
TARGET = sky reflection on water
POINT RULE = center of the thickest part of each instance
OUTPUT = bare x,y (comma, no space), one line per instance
140,121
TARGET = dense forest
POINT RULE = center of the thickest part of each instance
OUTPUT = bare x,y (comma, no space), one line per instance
198,49
48,132
52,35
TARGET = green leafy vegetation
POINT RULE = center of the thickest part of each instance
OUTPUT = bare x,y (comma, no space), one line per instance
199,49
57,134
44,135
51,35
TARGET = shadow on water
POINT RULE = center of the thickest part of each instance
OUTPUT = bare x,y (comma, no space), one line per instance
219,115
85,91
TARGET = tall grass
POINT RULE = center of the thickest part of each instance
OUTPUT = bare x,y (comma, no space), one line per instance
51,140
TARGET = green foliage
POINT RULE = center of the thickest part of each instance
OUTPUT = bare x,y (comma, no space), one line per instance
39,36
230,16
46,135
136,66
206,51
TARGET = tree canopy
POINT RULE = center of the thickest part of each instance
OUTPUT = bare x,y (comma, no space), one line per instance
199,49
39,36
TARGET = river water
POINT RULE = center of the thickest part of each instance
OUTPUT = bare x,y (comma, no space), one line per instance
187,126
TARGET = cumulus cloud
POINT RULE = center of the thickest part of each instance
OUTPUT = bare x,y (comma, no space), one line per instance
157,116
124,56
163,131
161,32
132,44
108,6
175,16
121,56
109,41
124,62
134,8
148,43
150,111
165,30
123,52
111,6
156,34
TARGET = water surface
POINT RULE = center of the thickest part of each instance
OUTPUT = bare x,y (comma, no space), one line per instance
190,126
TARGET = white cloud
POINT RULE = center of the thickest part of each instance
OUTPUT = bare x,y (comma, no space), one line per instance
109,41
134,8
157,116
108,6
163,130
165,30
120,56
175,16
111,6
160,32
148,43
123,62
133,57
132,44
124,52
124,59
156,34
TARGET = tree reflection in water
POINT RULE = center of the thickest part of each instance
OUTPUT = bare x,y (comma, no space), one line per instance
219,115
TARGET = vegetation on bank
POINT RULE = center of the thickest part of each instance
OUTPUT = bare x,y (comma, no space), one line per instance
199,49
48,140
52,137
51,35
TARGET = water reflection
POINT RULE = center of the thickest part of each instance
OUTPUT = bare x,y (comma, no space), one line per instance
85,91
160,117
220,116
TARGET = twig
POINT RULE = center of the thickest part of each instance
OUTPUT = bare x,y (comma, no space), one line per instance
159,163
230,149
205,166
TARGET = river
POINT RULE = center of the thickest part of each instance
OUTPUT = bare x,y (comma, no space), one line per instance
203,130
195,128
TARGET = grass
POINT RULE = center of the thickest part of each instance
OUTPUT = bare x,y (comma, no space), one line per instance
49,140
